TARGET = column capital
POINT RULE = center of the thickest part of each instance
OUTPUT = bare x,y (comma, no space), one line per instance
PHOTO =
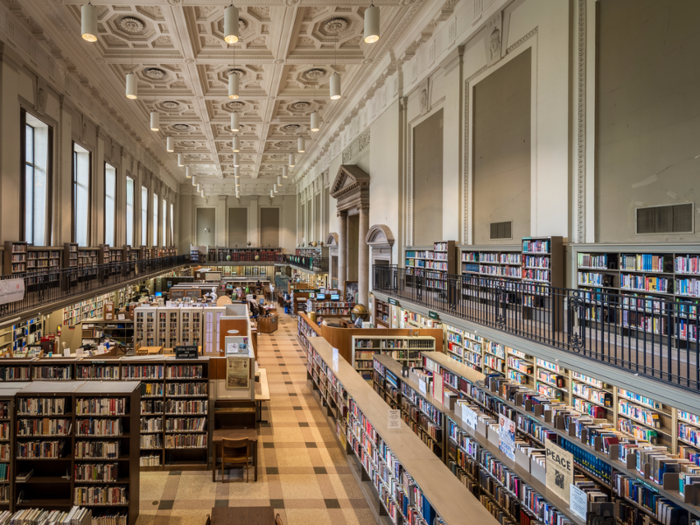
342,213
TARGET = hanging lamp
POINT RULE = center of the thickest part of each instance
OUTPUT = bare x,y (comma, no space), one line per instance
170,145
314,122
231,24
235,120
88,22
155,121
371,24
301,145
131,86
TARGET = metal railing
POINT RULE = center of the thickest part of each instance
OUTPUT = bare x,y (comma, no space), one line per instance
46,286
635,331
313,264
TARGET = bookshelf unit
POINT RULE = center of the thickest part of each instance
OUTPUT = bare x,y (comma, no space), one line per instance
15,258
145,326
87,263
7,443
44,267
421,412
617,467
85,310
401,479
168,327
191,325
430,266
106,417
405,349
53,369
382,313
186,422
305,331
332,308
492,261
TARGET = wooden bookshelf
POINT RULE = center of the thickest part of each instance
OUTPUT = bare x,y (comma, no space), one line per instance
404,349
492,261
382,313
43,267
430,267
15,258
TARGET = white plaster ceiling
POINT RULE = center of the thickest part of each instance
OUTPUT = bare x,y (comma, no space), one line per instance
286,53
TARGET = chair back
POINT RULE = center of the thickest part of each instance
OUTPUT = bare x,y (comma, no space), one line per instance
235,448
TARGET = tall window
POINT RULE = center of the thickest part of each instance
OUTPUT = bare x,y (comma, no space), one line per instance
81,194
165,227
172,233
129,211
155,220
110,203
144,216
35,183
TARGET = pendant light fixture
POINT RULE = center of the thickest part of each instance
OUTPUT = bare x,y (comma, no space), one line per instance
235,120
285,172
170,145
155,121
231,24
88,22
279,180
371,24
301,145
187,172
233,79
335,79
291,160
236,160
199,187
236,144
274,187
194,181
272,194
131,86
181,159
314,122
236,173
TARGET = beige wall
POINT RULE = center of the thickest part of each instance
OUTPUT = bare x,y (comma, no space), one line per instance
648,114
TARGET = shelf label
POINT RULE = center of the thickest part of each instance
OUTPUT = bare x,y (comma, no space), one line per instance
186,352
438,387
560,470
506,436
394,420
469,416
578,502
393,301
422,387
433,315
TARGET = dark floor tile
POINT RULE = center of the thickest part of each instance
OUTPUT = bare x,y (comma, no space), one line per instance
311,444
285,373
321,470
303,425
268,445
221,503
287,382
332,504
291,393
298,408
277,503
175,473
166,504
272,470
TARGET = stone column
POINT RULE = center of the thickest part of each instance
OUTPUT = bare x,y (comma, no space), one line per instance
221,221
363,258
342,250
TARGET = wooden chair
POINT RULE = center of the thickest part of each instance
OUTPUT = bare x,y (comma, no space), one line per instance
278,519
235,452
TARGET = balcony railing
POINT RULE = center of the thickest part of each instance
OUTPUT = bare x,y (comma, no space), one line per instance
637,332
313,264
46,286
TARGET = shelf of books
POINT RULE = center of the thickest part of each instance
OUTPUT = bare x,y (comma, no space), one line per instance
186,422
419,410
626,457
492,261
76,445
430,267
85,310
405,349
43,268
332,308
87,264
15,258
382,313
413,320
305,330
626,289
7,443
403,481
168,327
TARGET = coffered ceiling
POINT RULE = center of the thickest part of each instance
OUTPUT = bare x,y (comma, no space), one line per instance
287,51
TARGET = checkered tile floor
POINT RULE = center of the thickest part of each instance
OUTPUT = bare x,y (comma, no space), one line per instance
302,471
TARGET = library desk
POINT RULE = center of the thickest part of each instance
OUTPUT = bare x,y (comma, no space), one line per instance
234,433
269,324
262,392
242,516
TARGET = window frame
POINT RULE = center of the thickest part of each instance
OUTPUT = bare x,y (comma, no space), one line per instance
48,233
89,192
104,204
129,242
144,212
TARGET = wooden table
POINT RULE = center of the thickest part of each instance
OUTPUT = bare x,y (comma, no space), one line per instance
242,516
149,350
268,325
262,392
234,433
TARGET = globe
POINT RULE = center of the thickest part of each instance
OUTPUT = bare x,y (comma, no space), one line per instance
257,257
359,311
228,257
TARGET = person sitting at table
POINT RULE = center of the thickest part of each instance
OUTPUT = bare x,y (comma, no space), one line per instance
321,321
254,310
358,322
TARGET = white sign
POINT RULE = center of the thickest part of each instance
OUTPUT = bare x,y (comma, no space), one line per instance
394,419
506,434
438,389
121,317
335,354
11,290
423,389
469,416
578,502
560,470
